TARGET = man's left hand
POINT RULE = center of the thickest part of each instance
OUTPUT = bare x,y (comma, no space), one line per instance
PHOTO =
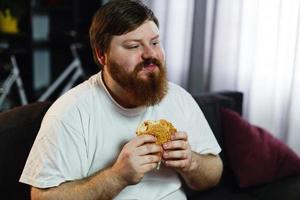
177,152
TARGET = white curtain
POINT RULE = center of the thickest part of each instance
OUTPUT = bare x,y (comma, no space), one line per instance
254,46
176,20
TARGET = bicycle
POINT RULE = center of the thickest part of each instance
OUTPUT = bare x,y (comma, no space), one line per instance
13,77
74,65
74,68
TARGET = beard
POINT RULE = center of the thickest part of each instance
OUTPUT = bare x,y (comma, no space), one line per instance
142,91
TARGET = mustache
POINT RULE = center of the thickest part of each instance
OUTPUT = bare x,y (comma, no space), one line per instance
146,62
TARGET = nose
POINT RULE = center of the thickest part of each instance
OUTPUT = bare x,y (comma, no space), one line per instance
148,52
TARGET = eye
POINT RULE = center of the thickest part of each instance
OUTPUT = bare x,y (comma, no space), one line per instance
135,46
155,43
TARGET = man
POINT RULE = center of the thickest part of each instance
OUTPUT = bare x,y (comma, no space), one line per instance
86,147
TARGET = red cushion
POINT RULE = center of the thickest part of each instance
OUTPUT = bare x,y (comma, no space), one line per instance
255,156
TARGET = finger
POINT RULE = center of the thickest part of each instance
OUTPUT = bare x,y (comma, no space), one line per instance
150,159
142,139
148,167
179,155
176,144
148,149
176,163
180,135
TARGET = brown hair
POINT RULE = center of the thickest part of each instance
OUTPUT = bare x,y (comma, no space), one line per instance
117,17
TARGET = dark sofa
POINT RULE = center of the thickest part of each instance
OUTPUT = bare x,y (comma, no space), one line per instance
228,189
19,126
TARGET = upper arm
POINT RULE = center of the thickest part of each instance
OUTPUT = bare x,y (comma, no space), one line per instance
37,193
58,155
201,137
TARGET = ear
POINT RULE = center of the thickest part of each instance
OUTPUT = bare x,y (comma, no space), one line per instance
100,57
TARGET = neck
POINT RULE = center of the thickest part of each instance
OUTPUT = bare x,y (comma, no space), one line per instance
121,96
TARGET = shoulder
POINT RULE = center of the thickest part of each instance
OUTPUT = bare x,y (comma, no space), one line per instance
178,92
178,99
182,97
81,98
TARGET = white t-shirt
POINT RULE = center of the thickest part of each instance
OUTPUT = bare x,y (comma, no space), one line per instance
85,129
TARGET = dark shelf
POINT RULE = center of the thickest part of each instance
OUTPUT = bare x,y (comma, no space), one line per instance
40,44
14,36
66,17
51,9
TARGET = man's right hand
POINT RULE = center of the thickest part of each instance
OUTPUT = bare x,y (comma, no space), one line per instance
138,156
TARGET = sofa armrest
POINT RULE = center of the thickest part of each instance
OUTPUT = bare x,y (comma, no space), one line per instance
18,129
286,188
210,104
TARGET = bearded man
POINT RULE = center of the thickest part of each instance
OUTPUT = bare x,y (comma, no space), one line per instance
86,147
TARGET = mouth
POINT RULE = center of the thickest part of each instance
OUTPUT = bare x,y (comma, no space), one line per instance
150,67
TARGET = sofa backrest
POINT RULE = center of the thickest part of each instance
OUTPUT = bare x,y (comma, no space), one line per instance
18,129
210,104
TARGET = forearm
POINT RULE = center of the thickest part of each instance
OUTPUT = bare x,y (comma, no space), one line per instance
205,171
103,185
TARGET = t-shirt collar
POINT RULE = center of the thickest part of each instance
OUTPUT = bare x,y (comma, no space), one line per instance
125,111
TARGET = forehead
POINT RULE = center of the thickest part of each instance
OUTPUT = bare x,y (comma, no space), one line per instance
146,31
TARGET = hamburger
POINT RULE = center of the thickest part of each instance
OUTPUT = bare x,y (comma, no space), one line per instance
161,129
